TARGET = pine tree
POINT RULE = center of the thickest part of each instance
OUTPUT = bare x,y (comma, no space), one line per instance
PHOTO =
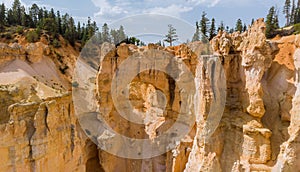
212,31
221,26
239,25
286,11
58,21
276,22
33,13
271,22
52,14
114,36
70,34
293,13
79,32
196,36
24,17
121,34
10,17
105,33
2,15
203,24
252,22
244,28
171,36
16,10
297,15
84,34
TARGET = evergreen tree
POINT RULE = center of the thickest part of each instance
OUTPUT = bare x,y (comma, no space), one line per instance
276,22
227,29
286,11
252,22
114,36
46,14
121,34
244,28
16,10
293,13
24,18
79,33
58,22
271,22
34,13
52,14
2,15
221,26
196,36
212,31
239,25
297,14
105,33
70,31
171,36
10,17
203,24
84,34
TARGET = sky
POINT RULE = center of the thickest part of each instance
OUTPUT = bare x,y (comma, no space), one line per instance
110,11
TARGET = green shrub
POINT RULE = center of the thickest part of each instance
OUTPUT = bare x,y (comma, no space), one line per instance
56,43
297,28
8,35
20,30
32,36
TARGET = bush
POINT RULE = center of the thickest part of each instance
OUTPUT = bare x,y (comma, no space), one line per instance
32,36
297,28
7,35
56,43
20,30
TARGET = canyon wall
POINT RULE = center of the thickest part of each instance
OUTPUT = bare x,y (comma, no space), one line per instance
258,129
38,127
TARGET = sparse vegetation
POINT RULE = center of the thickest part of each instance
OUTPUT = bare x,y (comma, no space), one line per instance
32,36
20,29
297,28
56,43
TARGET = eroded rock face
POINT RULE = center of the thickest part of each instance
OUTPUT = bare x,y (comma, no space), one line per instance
38,127
43,136
259,115
259,130
289,157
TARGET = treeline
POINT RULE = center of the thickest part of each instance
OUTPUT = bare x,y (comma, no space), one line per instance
207,28
51,21
56,24
291,11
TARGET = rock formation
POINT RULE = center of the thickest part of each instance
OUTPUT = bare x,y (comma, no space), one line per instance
38,128
258,131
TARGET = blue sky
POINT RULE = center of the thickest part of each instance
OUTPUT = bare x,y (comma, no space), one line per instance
190,10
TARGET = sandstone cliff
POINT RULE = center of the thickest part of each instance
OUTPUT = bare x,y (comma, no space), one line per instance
38,128
258,129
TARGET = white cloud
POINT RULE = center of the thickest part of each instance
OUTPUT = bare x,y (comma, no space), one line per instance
112,10
172,10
